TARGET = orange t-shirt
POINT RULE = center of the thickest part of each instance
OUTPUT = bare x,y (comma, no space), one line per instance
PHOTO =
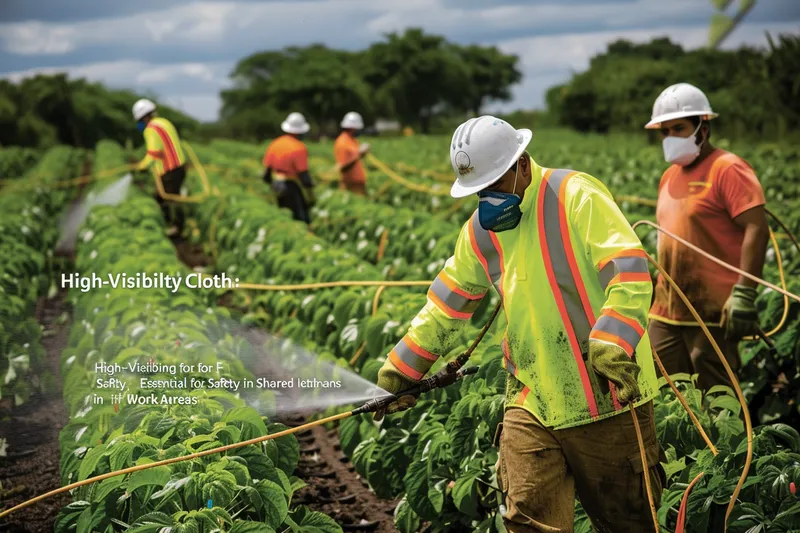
699,205
287,155
346,149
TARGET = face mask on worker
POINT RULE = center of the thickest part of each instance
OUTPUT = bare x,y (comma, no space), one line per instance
499,211
141,125
682,150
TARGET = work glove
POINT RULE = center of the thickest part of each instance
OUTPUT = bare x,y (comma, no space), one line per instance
279,188
391,380
363,149
612,362
739,316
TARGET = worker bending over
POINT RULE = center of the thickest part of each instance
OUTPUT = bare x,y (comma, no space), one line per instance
349,153
574,284
165,153
286,162
712,199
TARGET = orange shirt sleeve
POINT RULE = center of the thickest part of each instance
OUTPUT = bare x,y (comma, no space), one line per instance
740,189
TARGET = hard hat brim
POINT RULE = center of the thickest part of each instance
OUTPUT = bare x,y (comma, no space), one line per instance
286,128
460,191
656,122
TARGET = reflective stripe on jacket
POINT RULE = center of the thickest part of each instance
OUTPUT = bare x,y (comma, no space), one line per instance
163,146
571,273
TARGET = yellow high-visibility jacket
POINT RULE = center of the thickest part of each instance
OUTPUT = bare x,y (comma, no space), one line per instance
572,272
163,147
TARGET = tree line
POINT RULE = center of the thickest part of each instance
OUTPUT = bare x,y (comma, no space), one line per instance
428,83
756,92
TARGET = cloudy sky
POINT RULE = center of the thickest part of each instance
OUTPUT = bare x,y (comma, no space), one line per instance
183,50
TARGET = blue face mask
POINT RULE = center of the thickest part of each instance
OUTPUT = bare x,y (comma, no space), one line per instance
140,125
499,211
357,133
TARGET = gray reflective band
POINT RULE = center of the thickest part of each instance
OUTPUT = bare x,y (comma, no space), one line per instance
633,265
409,357
618,328
490,253
558,258
452,299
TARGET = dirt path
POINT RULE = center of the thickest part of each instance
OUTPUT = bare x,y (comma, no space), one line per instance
32,465
333,486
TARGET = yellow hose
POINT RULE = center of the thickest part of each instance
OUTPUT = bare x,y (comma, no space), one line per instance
212,451
186,199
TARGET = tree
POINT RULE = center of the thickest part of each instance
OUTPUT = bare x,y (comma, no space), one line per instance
321,83
50,109
491,73
414,76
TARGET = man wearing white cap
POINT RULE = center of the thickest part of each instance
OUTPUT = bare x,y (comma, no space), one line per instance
349,153
286,168
712,199
574,283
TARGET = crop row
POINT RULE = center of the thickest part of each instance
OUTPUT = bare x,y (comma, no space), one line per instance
244,490
28,212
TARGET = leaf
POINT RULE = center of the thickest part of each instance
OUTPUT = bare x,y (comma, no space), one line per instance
720,24
303,520
255,426
248,526
158,476
106,487
275,506
90,462
727,402
465,493
405,519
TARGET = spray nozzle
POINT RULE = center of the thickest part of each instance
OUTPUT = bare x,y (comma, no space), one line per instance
446,376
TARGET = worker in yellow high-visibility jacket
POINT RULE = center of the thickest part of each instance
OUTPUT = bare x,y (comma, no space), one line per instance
575,287
165,154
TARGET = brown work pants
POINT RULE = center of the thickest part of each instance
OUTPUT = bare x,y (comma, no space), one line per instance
354,187
540,470
686,349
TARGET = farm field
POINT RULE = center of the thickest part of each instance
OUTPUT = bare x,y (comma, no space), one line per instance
430,468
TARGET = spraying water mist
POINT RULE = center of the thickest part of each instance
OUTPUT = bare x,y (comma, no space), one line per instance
75,215
301,382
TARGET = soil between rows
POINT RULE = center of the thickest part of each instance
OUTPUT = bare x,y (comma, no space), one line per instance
31,430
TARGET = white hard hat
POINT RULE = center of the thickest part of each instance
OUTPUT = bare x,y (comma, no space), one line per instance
142,108
679,101
353,121
296,124
482,150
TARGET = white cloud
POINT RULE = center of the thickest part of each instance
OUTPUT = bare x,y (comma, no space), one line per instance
33,37
204,107
193,23
455,21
